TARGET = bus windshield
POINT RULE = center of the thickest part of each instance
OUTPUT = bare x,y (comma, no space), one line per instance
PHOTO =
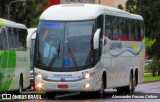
64,46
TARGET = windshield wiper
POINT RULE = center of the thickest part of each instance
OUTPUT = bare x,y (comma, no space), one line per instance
89,58
59,49
54,57
72,56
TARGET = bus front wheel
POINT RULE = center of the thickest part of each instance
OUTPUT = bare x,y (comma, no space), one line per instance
50,95
100,92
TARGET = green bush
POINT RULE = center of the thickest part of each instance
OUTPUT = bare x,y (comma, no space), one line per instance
152,67
148,68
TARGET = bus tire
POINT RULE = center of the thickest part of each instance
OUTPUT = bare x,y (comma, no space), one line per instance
100,92
20,85
131,87
50,95
128,89
134,84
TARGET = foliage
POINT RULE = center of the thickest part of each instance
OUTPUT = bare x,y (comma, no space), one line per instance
131,6
153,67
148,44
25,12
149,68
120,7
149,9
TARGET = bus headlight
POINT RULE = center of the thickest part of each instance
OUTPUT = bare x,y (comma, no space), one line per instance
39,85
41,76
88,75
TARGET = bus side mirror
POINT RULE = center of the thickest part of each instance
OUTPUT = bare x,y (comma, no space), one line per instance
96,39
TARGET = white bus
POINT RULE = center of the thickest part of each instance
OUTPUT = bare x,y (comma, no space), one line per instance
88,48
14,57
31,42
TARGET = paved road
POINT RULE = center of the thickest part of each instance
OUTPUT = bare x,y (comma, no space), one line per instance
149,92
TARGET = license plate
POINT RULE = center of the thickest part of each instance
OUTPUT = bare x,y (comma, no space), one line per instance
63,86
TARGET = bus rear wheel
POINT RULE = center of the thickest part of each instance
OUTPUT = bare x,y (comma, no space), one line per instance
20,85
131,87
128,89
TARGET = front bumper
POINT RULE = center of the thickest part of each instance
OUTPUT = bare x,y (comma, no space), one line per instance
69,86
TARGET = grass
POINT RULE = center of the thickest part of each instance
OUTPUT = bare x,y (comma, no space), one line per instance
149,78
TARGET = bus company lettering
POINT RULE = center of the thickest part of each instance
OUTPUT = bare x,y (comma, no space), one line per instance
21,97
62,75
137,96
151,96
114,46
34,97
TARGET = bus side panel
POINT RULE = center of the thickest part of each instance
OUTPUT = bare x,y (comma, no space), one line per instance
22,67
119,58
141,70
8,65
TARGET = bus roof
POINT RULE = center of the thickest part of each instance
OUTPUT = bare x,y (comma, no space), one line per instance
137,16
82,12
4,22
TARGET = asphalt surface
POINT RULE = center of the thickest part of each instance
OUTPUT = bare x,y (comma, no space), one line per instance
145,92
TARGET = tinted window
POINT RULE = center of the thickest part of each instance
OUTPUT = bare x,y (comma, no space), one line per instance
3,39
142,30
17,38
124,29
108,27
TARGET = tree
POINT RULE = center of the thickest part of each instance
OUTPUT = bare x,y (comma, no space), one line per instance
131,6
120,6
3,8
149,9
148,44
25,12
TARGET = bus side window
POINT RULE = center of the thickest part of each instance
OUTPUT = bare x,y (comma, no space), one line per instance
127,29
138,31
123,31
142,30
108,26
132,35
115,28
3,39
22,35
